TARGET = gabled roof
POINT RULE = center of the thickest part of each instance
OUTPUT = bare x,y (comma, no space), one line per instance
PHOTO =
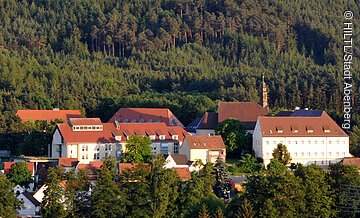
7,166
91,168
183,173
31,198
110,130
296,126
242,111
47,115
351,161
146,115
68,162
205,142
208,121
180,159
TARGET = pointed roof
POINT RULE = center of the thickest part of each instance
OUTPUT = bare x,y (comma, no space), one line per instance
68,162
180,159
205,142
297,126
183,173
208,121
143,115
47,115
242,111
31,198
7,166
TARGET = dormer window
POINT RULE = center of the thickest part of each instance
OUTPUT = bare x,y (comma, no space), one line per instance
309,129
162,137
133,120
141,120
279,129
160,134
326,129
294,129
149,120
125,120
175,137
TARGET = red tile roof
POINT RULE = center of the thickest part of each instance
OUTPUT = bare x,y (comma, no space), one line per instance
125,166
183,173
63,183
205,142
85,121
47,115
300,126
7,166
351,161
91,168
124,129
146,115
242,111
68,162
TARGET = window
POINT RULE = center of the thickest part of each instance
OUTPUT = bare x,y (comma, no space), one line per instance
315,142
343,141
154,148
295,142
164,148
86,156
274,142
83,157
295,154
267,154
309,142
267,142
302,141
337,154
343,154
86,148
176,148
288,142
322,154
302,154
322,142
330,142
308,154
329,154
109,147
83,147
337,142
315,153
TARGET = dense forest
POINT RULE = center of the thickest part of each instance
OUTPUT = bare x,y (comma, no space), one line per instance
98,56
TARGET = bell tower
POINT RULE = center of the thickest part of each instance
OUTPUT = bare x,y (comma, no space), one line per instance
264,94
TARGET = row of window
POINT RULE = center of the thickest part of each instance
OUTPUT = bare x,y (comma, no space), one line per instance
97,147
87,128
164,148
312,154
309,142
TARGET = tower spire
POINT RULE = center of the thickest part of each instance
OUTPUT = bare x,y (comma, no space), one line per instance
263,91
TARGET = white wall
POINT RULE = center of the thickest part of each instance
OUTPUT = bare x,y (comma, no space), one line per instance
28,207
56,141
199,154
205,132
184,149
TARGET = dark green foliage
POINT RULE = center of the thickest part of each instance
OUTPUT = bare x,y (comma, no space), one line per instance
235,137
222,186
107,199
249,164
19,174
8,201
281,154
138,149
355,141
52,204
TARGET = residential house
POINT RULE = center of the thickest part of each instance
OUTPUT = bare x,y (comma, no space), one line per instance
88,139
204,148
143,115
30,207
18,190
177,161
47,115
68,164
91,168
246,112
355,161
315,139
40,193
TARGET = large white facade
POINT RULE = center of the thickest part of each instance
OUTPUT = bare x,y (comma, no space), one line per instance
321,150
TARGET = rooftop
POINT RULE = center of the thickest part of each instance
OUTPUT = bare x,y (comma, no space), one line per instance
47,115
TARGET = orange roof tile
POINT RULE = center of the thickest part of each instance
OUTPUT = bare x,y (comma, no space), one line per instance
125,166
68,162
92,167
351,161
85,121
300,126
7,166
63,183
205,142
146,115
242,111
47,115
183,173
106,135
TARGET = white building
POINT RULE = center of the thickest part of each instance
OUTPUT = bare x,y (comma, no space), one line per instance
309,139
30,206
88,139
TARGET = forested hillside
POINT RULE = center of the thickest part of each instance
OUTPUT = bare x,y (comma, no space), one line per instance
98,55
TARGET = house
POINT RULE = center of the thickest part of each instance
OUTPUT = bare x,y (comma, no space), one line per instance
177,161
88,139
315,139
18,190
91,168
30,207
40,193
204,148
246,112
183,173
47,115
143,115
68,164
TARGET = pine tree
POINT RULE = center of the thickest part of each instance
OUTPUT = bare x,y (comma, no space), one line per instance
8,201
